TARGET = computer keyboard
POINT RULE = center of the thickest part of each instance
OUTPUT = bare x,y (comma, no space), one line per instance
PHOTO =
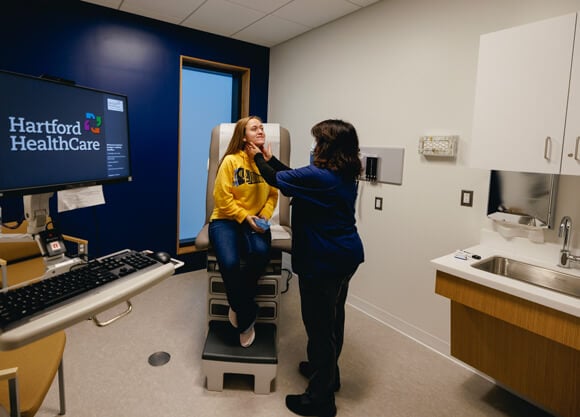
19,304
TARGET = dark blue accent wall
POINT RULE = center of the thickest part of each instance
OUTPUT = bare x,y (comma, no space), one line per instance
115,51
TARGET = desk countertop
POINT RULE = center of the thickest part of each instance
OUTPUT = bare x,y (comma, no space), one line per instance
85,306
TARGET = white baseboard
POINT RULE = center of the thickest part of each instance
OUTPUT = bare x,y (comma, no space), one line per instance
407,329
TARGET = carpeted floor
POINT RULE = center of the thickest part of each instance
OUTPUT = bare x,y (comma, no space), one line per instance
384,373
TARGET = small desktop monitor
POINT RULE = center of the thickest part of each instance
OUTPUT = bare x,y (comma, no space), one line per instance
56,135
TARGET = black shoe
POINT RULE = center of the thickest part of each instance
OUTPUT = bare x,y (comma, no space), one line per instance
305,405
306,370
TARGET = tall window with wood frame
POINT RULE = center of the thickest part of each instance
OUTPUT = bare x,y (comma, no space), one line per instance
211,93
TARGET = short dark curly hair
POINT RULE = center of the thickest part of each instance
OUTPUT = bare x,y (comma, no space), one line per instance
337,147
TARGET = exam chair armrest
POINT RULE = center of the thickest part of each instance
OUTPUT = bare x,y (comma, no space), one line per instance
202,238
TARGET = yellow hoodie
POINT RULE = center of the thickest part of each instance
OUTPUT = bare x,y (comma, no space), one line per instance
240,190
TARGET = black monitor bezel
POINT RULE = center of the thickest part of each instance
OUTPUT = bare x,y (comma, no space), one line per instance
71,185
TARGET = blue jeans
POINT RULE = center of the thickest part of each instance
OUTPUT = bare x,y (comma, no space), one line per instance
242,254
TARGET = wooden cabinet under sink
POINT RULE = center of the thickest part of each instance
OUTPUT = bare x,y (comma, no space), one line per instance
529,348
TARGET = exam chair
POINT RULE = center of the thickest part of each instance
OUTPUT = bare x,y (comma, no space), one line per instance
279,138
222,353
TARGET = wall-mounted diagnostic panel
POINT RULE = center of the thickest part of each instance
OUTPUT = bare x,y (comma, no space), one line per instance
382,164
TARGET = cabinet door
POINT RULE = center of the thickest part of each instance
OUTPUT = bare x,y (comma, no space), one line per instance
571,152
521,95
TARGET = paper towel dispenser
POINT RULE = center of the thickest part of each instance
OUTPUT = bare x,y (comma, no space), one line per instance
522,198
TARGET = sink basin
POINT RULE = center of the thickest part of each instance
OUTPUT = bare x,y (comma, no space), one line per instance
532,274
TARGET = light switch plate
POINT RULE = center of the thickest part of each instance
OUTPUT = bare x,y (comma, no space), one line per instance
466,198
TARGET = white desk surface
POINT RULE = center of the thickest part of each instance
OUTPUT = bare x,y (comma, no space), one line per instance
85,306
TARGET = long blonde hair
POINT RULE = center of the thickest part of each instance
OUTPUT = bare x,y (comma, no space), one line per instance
237,142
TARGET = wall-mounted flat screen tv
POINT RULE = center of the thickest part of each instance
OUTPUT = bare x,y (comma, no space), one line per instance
58,135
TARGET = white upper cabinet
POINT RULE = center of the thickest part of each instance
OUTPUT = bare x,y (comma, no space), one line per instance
521,99
571,152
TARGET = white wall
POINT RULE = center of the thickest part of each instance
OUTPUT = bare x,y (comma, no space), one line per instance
398,70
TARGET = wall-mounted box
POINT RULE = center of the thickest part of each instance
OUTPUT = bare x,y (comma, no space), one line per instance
445,146
383,165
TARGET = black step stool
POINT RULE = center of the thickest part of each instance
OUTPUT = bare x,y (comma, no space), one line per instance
222,354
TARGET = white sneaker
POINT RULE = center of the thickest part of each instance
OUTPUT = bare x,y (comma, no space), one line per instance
248,337
233,317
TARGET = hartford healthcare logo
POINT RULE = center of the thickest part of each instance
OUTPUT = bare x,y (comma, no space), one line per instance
93,123
53,135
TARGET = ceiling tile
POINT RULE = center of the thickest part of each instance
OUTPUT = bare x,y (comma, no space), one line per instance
315,13
173,11
270,31
263,22
266,6
363,3
222,17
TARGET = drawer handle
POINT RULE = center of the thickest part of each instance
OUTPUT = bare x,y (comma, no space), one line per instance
114,319
547,148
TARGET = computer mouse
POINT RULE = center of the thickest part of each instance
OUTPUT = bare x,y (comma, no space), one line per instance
162,257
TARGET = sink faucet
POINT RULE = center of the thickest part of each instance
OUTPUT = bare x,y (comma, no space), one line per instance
566,231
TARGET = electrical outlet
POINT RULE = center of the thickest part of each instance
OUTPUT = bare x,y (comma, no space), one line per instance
466,198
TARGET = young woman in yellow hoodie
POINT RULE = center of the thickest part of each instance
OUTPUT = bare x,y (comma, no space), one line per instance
242,197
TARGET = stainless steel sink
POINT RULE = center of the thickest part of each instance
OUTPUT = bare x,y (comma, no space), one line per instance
536,275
